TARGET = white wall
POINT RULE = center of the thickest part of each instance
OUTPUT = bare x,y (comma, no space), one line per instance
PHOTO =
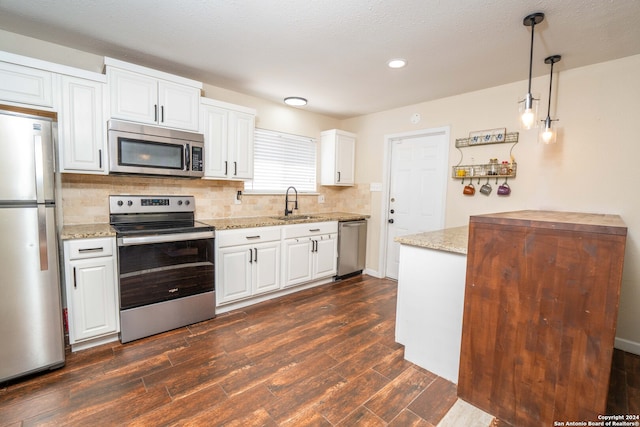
592,168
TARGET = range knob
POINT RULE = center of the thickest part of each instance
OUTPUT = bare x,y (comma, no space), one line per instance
186,202
179,202
120,203
129,202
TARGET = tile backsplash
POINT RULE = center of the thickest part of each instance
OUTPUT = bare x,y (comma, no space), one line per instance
85,197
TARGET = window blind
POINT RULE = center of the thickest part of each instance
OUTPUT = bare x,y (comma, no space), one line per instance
282,160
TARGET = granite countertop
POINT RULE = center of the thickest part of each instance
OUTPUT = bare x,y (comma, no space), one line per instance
266,221
449,240
87,231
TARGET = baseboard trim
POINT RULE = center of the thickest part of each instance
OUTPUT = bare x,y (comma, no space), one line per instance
372,273
628,346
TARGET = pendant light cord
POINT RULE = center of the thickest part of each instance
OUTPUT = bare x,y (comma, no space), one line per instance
533,26
550,85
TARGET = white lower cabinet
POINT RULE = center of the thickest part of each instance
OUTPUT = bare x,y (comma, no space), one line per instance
91,290
247,263
255,264
310,252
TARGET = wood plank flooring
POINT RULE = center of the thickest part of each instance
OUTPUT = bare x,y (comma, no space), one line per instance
321,357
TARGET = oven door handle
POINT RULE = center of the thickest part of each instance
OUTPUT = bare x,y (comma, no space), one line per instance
164,238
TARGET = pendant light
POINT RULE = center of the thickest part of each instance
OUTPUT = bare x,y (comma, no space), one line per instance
548,134
528,107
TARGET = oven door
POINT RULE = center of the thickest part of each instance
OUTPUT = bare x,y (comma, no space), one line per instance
164,267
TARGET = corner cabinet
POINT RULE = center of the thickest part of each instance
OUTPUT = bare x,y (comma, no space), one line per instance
337,153
540,309
143,95
248,263
228,137
92,291
82,122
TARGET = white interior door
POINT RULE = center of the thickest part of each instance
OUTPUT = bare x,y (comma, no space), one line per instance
417,188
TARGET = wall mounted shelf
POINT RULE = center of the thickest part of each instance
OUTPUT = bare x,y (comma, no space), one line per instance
483,171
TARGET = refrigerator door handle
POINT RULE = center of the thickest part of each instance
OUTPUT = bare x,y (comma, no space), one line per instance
42,238
39,168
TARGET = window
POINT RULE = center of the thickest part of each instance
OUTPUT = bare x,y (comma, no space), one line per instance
282,160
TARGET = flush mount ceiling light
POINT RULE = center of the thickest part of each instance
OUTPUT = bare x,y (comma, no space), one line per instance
397,63
548,134
528,107
295,101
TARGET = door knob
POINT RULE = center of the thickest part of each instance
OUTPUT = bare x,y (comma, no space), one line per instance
391,221
392,211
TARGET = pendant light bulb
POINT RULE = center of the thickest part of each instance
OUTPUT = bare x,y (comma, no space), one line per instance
528,107
548,134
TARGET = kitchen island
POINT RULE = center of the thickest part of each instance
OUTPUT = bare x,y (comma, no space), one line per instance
431,281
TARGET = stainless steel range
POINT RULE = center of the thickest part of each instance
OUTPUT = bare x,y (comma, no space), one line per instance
165,264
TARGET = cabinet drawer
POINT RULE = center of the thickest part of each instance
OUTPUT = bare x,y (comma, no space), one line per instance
90,248
309,229
246,236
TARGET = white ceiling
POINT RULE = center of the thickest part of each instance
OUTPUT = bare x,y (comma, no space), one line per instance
334,52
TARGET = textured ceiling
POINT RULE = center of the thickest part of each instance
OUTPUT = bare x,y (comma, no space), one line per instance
334,52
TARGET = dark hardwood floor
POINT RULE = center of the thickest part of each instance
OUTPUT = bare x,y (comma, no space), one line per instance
321,357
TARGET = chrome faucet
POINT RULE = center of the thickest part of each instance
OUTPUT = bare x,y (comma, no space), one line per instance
287,211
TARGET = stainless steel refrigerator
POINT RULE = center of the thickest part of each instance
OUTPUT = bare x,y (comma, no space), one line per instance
31,330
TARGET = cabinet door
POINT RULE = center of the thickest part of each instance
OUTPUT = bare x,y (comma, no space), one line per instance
133,96
297,261
214,128
345,157
82,126
178,105
266,266
25,85
234,268
241,128
92,309
325,256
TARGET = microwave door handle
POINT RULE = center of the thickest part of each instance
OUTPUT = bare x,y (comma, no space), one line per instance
187,157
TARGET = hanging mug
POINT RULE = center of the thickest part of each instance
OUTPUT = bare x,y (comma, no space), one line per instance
486,189
504,190
469,190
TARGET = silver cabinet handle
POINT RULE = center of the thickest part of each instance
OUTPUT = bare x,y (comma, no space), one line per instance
252,237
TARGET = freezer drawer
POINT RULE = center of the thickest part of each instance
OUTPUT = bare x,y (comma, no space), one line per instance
352,247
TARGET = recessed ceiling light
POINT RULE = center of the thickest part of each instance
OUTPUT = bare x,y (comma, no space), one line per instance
295,101
397,63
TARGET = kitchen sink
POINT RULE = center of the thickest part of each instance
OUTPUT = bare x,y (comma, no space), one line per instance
294,217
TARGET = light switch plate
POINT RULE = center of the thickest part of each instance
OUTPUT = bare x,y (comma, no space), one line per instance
320,198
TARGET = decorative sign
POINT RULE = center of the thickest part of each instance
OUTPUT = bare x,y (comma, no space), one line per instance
487,136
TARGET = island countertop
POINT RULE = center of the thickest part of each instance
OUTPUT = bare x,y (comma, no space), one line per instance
453,239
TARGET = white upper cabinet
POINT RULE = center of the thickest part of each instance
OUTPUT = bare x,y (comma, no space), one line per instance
228,138
82,119
337,150
25,85
143,95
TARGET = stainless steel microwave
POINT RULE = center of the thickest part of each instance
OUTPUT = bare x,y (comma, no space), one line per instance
151,150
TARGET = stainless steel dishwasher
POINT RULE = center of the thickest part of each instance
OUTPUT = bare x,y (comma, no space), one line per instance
352,247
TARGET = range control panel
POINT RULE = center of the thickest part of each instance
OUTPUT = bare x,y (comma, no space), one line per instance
151,204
